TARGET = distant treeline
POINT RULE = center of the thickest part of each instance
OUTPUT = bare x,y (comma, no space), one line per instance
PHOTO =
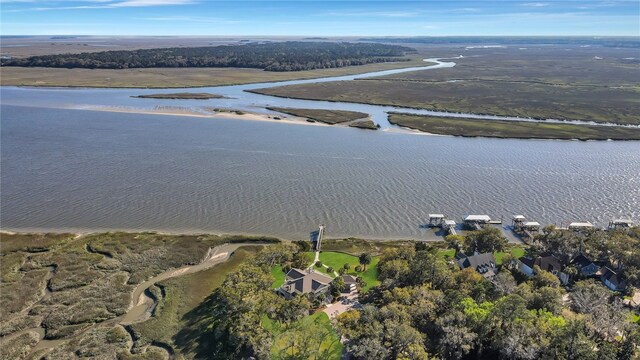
618,42
282,56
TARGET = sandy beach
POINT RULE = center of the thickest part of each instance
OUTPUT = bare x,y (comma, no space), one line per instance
203,113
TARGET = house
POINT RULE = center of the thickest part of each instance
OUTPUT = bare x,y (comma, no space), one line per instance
526,265
612,280
304,282
485,264
585,265
546,262
350,283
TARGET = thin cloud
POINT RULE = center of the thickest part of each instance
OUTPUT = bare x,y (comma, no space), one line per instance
200,19
100,4
536,4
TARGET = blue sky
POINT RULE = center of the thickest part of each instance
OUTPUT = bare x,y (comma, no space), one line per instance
322,18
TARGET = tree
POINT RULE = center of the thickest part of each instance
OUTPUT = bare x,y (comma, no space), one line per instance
346,266
454,241
337,286
544,278
364,259
504,283
304,246
489,239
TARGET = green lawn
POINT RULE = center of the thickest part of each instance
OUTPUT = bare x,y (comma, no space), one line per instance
634,317
447,253
278,275
337,260
317,327
517,253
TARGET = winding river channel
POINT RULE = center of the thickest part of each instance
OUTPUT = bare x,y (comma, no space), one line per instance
67,166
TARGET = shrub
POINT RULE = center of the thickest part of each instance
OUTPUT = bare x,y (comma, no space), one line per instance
318,263
358,268
330,270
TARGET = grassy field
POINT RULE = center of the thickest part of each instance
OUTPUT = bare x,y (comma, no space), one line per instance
601,85
324,116
278,275
336,260
511,129
182,95
171,77
356,247
516,252
321,339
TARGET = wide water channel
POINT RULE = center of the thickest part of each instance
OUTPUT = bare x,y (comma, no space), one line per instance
81,170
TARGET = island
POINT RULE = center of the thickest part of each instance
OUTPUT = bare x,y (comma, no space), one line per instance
457,126
181,96
331,117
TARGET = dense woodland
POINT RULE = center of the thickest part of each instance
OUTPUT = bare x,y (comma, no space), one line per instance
282,56
425,307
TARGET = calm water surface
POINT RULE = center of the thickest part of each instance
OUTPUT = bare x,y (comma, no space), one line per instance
88,170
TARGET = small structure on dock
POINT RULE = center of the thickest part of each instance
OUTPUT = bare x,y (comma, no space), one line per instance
450,227
531,226
620,224
578,226
475,222
316,238
517,221
436,220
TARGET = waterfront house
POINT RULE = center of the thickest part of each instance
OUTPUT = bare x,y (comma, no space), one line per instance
585,265
545,262
484,264
304,282
612,280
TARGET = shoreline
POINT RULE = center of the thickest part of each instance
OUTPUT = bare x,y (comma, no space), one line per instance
210,113
78,232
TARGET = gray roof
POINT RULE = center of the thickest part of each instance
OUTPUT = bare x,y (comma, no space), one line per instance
349,279
483,263
300,281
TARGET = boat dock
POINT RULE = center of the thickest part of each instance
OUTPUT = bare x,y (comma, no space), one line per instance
521,230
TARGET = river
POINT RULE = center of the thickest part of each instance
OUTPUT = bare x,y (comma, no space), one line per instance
64,168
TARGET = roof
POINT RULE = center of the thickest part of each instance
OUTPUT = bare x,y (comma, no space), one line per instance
622,221
612,277
581,224
450,222
437,216
518,217
549,263
528,261
531,223
308,282
349,279
581,260
477,218
483,263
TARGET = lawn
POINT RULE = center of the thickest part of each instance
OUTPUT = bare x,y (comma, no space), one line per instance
310,330
634,317
337,260
278,275
516,252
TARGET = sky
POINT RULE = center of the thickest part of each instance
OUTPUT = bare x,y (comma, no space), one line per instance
320,18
